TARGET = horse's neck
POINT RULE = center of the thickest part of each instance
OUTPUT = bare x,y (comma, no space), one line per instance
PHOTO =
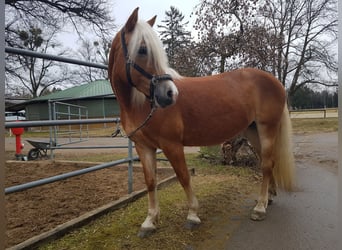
130,96
123,94
131,114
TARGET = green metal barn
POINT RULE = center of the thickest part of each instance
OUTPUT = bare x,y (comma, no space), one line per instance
97,97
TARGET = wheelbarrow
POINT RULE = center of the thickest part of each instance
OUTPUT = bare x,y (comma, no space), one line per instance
39,151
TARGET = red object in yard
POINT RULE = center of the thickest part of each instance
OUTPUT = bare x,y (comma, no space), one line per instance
18,145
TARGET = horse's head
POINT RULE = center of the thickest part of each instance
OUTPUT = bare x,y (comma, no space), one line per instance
145,62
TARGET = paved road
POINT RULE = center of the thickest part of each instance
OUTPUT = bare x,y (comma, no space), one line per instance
307,218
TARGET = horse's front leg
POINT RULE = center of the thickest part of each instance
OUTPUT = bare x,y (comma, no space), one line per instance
175,155
148,159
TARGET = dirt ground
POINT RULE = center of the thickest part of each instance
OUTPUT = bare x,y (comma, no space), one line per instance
40,209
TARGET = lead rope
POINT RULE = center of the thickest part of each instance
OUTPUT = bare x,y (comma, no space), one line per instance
154,108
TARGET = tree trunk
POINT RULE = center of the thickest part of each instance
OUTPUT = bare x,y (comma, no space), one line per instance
239,152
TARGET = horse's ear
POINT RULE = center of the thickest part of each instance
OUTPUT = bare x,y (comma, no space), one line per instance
132,20
152,21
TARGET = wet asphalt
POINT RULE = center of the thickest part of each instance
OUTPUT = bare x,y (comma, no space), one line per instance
306,218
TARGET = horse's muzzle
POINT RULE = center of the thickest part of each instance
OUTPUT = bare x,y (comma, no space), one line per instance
165,94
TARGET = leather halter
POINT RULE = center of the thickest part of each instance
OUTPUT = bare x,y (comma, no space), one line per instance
154,79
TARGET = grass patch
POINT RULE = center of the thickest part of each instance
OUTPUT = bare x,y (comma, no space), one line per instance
313,125
222,193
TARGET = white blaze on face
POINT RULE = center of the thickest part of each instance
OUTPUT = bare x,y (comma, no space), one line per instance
174,90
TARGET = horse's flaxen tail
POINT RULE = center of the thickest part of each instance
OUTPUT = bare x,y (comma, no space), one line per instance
284,167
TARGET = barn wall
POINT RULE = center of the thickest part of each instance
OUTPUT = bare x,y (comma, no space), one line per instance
101,107
97,108
37,111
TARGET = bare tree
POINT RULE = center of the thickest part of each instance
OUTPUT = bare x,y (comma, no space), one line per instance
36,75
197,61
220,26
259,50
57,14
98,52
293,39
48,17
305,32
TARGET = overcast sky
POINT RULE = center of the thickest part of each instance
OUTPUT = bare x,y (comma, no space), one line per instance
149,8
122,9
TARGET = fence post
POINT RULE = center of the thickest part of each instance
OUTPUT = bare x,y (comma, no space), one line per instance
2,129
50,107
130,166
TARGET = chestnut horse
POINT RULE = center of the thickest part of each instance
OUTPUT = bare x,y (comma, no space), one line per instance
161,109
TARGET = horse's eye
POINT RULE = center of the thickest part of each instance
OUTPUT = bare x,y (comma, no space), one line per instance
142,50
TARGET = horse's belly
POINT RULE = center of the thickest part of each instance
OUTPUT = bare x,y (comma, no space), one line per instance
211,133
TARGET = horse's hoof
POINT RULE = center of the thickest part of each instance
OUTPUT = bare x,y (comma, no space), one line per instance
191,225
258,216
146,232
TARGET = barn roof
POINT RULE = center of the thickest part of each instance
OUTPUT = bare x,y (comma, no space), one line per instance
96,89
92,89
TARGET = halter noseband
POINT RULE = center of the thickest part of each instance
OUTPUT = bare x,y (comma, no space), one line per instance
154,78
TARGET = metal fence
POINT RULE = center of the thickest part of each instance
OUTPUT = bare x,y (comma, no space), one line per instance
130,159
53,57
314,113
66,111
44,181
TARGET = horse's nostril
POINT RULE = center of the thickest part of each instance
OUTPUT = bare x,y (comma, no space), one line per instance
169,93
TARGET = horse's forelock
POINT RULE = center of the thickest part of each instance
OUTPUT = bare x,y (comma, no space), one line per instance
143,32
156,53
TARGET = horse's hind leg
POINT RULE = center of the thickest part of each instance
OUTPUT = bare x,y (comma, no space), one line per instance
267,135
253,137
272,190
175,155
148,159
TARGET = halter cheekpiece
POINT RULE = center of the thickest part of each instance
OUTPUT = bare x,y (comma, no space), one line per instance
154,79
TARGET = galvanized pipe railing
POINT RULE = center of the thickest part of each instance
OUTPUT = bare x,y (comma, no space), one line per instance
64,176
36,183
53,57
24,124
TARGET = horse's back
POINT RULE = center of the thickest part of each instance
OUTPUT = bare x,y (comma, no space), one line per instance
269,96
239,79
215,108
258,80
241,89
